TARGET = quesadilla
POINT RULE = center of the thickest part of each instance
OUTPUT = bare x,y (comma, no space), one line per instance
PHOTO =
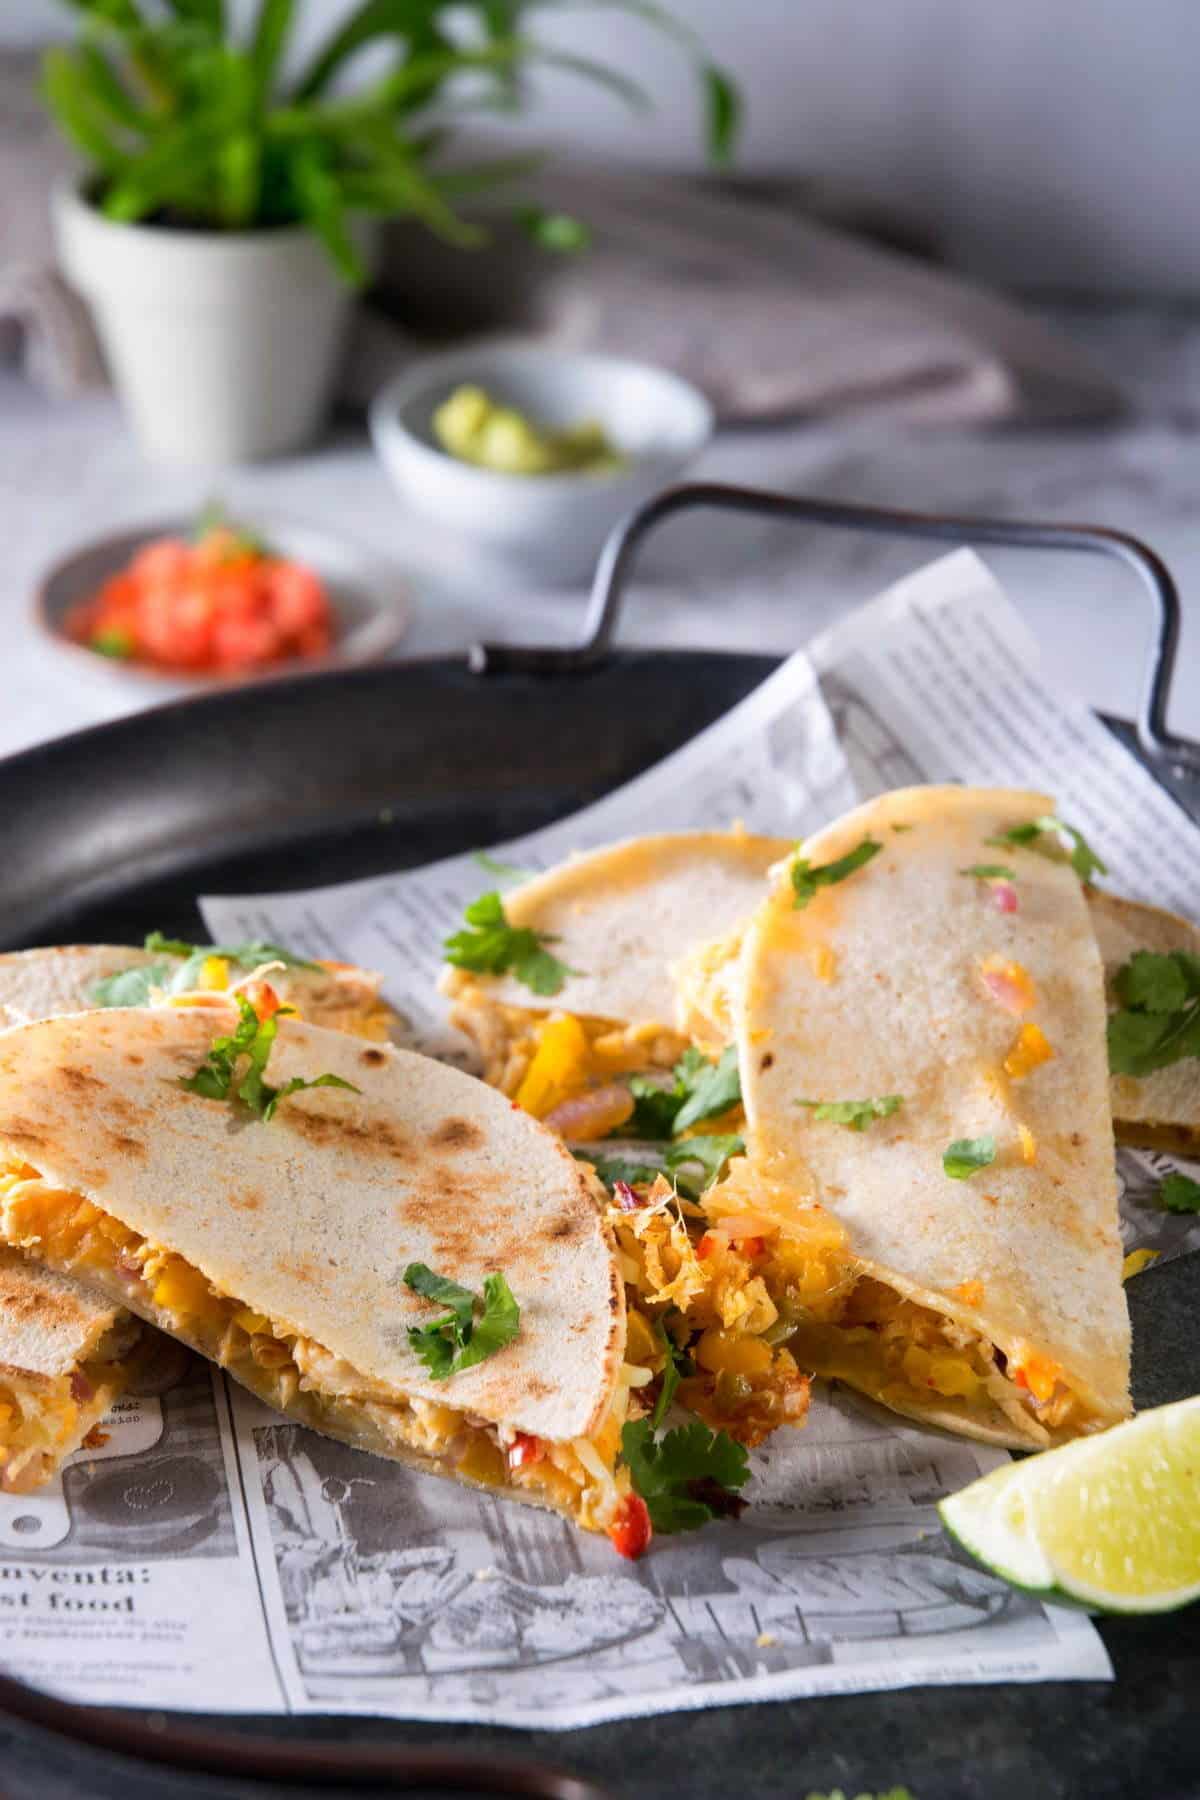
67,1350
284,1247
63,978
592,998
929,1175
1160,1109
65,1354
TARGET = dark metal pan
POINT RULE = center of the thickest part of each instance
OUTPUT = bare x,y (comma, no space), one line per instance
329,777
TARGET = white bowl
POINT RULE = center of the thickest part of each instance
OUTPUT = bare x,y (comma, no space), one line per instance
551,526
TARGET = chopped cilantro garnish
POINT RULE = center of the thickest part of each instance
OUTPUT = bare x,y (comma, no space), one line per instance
234,1068
458,1340
856,1115
1083,858
654,1108
990,872
806,880
491,946
712,1088
503,871
1179,1193
133,987
1158,1022
965,1155
247,956
710,1153
687,1476
700,1090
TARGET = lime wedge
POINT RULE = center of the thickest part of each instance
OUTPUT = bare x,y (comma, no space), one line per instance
1109,1522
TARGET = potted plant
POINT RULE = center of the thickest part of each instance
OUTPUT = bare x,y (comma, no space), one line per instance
225,218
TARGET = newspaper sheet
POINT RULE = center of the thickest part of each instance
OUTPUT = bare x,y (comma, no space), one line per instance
214,1556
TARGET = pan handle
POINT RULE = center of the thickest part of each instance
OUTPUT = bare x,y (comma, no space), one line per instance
1177,756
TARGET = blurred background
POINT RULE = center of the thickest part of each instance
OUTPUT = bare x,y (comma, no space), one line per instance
948,260
1038,147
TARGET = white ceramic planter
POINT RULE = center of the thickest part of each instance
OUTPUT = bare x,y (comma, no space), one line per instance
223,346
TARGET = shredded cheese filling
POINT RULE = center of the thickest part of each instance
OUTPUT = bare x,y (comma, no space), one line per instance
293,1373
43,1418
759,1306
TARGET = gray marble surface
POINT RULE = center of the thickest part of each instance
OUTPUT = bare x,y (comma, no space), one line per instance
69,473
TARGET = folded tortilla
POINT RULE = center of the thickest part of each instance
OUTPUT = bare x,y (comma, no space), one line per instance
65,1354
1159,1111
63,978
56,1397
619,917
991,1305
278,1249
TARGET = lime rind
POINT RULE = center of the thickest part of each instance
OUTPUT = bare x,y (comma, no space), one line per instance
991,1520
1009,1520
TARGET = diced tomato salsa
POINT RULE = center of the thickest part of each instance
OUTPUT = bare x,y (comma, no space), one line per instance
222,604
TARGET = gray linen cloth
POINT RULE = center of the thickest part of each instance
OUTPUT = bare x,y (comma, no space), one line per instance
773,315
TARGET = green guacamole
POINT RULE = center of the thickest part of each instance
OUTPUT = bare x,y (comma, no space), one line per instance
477,429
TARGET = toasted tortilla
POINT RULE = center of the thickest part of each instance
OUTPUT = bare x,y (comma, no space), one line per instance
873,989
65,1354
62,978
620,916
303,1226
1160,1111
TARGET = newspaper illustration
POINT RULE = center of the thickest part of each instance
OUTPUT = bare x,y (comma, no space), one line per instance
222,1558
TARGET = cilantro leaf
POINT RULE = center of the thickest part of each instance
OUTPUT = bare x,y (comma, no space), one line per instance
654,1108
965,1155
456,1340
247,956
712,1088
220,1077
503,871
686,1477
806,879
989,871
677,1365
130,987
855,1115
1179,1193
1157,984
699,1090
710,1153
541,971
1083,858
1158,1022
489,945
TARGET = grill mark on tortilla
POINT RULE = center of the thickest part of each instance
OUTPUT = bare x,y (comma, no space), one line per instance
456,1134
373,1136
20,1131
499,1201
373,1058
125,1145
79,1081
245,1202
